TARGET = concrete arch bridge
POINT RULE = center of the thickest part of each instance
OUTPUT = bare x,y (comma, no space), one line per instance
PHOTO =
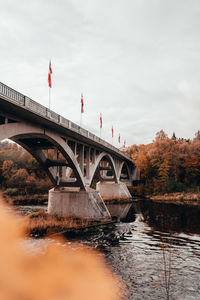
82,167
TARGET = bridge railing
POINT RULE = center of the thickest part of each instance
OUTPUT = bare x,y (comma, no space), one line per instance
11,94
34,106
18,98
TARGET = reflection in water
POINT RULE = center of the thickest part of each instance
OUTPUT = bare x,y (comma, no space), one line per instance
134,250
171,217
122,211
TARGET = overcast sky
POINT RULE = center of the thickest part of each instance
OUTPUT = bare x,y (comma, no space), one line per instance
136,61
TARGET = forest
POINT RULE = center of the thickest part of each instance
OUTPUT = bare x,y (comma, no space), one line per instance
166,165
20,173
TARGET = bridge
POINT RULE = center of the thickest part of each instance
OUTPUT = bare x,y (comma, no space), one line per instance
83,168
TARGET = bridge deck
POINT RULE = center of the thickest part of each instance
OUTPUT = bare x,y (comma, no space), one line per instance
13,102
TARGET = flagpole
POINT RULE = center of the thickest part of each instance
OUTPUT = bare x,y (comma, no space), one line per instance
81,120
49,98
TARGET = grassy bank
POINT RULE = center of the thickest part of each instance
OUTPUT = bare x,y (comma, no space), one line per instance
117,200
178,198
36,199
40,223
187,198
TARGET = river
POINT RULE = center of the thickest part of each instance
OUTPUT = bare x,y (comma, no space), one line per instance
138,247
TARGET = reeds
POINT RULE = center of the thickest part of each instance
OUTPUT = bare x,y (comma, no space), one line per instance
181,198
40,223
37,199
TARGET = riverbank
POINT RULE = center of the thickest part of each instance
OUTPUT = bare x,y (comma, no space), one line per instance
187,198
42,199
40,224
192,199
36,199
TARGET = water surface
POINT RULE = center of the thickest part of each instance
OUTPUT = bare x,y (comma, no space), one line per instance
134,249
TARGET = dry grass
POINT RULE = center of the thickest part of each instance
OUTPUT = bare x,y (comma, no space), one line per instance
118,199
180,198
56,272
36,199
41,223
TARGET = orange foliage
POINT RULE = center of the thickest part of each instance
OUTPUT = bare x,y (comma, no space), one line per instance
18,169
7,168
168,164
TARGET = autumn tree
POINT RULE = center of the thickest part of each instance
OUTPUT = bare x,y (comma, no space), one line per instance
168,164
18,169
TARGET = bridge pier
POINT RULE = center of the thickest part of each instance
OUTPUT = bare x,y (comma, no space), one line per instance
80,203
113,191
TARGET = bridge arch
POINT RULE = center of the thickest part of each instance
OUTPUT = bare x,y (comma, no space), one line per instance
124,166
97,163
19,132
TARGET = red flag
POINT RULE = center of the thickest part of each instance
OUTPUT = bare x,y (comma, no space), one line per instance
50,69
112,132
100,120
119,138
82,111
49,74
49,79
124,143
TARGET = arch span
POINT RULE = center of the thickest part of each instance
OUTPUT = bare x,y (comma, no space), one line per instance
19,132
124,165
97,163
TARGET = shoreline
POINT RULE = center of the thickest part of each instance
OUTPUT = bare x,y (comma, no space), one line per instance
37,199
40,223
192,199
180,198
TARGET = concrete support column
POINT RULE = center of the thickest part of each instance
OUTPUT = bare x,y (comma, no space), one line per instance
75,149
88,163
111,191
73,146
64,169
81,158
94,156
56,155
117,164
75,202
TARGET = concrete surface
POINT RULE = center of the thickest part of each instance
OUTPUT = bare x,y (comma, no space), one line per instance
74,202
113,191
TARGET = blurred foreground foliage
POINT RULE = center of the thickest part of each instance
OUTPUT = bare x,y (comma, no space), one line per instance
52,270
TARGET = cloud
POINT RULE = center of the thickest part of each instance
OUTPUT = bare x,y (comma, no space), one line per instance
133,60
